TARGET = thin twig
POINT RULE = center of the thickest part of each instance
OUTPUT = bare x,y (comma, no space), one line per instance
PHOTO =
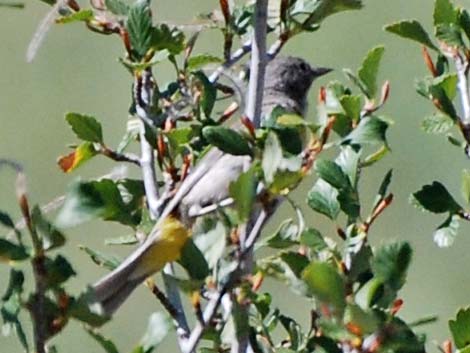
119,157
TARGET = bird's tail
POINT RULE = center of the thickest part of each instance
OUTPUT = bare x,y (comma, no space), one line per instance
161,247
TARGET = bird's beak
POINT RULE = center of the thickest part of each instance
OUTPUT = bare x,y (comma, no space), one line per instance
320,71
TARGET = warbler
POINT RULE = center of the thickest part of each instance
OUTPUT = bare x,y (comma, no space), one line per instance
287,82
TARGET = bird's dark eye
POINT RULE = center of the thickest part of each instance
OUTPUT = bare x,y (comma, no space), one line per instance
304,67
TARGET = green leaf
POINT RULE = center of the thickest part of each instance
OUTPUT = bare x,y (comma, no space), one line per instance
82,15
326,284
464,21
196,260
411,29
312,238
243,192
199,61
178,138
227,140
318,10
446,105
286,235
164,37
369,70
370,130
450,34
360,319
370,293
391,263
322,198
11,307
446,233
332,173
466,185
105,343
348,160
383,188
211,243
12,252
58,271
86,127
139,27
158,327
444,12
86,201
209,93
355,80
117,7
459,328
51,237
82,153
6,220
437,124
435,198
272,157
104,260
352,106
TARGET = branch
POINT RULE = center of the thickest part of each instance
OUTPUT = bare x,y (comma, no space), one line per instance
119,157
143,92
258,63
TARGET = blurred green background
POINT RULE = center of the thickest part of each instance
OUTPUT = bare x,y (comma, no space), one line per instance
76,70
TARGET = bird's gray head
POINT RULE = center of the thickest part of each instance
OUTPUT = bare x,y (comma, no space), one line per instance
291,76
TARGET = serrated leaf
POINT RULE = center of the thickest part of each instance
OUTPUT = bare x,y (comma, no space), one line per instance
411,29
348,160
326,284
117,7
243,192
370,67
370,130
450,34
163,37
227,140
81,15
139,27
437,124
435,198
332,173
199,61
318,10
390,264
85,201
322,198
86,127
444,236
383,188
444,12
459,328
105,343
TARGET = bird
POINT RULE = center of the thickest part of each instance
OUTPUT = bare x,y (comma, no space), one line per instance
287,82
